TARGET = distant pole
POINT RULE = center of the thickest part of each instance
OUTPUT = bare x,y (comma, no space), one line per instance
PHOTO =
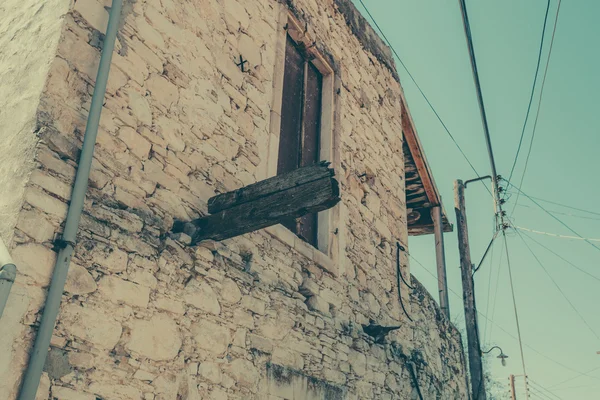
440,256
473,345
513,394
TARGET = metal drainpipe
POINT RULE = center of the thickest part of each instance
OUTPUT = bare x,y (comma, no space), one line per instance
8,274
33,374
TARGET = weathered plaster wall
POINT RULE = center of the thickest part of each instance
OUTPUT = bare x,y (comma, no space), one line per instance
145,316
29,33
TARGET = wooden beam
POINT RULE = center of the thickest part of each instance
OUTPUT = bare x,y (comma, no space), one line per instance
265,210
269,186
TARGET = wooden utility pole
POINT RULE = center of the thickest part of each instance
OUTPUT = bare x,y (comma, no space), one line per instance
513,394
440,256
473,345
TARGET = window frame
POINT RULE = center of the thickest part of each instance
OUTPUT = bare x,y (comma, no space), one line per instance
328,251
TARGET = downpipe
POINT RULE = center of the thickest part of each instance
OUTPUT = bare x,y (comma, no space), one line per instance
33,374
8,274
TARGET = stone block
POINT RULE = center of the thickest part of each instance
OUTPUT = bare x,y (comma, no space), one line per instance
46,203
202,296
121,291
135,142
230,292
211,337
243,372
93,13
358,362
210,371
35,261
64,393
79,280
316,303
91,325
35,224
157,339
167,304
253,304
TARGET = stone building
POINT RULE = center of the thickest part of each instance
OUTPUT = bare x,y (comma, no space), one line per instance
199,97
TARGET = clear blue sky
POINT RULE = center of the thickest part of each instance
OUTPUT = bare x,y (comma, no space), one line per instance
564,167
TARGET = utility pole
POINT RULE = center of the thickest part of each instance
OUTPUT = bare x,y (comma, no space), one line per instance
473,345
440,256
513,394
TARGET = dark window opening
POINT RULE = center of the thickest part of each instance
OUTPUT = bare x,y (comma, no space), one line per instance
299,137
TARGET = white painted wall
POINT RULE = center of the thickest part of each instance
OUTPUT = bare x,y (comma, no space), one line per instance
29,33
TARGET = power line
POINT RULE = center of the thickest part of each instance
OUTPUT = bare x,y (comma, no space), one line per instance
539,104
496,292
555,217
562,213
487,303
540,387
422,93
484,121
512,290
556,235
558,287
562,258
577,376
507,332
537,69
564,205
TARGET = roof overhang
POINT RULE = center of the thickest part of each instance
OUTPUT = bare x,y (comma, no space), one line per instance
421,191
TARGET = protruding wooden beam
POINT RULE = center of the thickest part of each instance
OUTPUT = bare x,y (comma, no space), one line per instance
264,204
269,186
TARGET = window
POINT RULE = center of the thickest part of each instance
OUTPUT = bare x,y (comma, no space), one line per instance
299,136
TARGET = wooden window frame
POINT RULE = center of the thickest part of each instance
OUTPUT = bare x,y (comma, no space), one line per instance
328,253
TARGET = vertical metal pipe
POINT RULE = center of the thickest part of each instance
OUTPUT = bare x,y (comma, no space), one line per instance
33,374
440,256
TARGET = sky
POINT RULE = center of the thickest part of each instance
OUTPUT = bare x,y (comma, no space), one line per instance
558,305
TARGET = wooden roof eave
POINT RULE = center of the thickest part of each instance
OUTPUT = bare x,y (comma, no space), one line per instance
423,169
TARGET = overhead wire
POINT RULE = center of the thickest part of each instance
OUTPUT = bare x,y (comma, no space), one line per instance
566,214
495,295
558,287
544,389
561,257
514,300
412,78
537,69
539,104
564,205
487,303
556,235
576,377
458,296
555,217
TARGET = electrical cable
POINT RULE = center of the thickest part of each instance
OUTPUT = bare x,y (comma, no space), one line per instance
562,258
398,277
567,214
537,69
422,93
564,205
544,389
458,296
577,376
413,375
558,287
555,217
495,295
484,121
556,235
486,252
487,303
512,289
539,105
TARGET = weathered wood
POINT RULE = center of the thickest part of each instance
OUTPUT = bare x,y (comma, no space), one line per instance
473,344
269,186
265,211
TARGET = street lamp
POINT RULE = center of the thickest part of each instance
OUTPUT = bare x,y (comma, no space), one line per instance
502,356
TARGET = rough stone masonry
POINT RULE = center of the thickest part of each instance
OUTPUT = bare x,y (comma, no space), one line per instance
260,316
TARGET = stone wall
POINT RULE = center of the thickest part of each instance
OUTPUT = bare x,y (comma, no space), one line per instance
144,316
